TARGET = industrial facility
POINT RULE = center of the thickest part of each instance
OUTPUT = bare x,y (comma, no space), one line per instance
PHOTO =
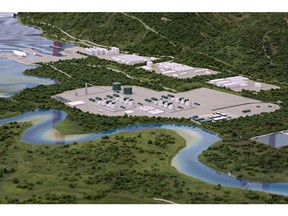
114,55
177,70
238,83
95,51
30,56
200,105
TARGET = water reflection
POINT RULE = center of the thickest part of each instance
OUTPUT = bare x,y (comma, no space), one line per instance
15,36
186,161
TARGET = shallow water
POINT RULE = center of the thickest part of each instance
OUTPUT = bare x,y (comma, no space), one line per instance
186,161
15,36
12,79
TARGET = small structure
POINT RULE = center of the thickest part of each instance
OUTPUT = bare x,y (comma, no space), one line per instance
20,53
116,86
149,64
127,90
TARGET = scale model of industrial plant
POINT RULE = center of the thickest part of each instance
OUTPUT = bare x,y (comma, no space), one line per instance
147,115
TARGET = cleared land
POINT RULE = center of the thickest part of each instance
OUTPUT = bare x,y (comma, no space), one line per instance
180,71
128,59
240,83
67,53
203,102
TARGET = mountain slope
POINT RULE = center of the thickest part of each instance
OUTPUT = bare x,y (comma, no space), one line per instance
248,43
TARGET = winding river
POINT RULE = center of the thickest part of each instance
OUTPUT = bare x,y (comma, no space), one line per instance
14,36
186,161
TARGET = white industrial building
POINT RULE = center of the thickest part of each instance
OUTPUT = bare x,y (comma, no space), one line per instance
20,53
238,83
130,59
231,82
176,70
94,51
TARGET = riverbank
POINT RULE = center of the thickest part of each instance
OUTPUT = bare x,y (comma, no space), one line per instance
130,167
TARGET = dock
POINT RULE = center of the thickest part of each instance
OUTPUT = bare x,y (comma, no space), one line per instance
67,54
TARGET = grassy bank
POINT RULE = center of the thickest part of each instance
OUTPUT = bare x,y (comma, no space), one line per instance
249,160
124,168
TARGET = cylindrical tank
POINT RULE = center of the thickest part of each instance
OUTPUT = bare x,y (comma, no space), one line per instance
99,102
116,99
127,90
116,86
177,100
113,107
172,99
187,103
171,106
182,101
155,102
149,64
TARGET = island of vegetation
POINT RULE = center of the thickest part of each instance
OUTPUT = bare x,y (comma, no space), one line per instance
131,167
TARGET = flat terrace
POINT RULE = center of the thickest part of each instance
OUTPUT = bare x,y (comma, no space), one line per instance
201,102
239,83
177,70
128,59
36,57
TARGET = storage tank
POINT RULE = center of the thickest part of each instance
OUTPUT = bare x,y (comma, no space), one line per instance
177,100
116,86
149,64
113,107
258,85
171,107
127,90
187,103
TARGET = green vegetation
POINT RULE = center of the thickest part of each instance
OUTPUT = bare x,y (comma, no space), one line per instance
248,160
124,168
253,44
232,131
248,43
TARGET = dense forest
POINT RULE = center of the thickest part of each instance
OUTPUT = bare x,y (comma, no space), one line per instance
123,168
252,44
243,42
102,72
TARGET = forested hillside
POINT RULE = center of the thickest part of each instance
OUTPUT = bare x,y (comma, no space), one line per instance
249,43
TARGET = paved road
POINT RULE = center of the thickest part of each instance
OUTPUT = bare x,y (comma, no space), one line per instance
164,200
